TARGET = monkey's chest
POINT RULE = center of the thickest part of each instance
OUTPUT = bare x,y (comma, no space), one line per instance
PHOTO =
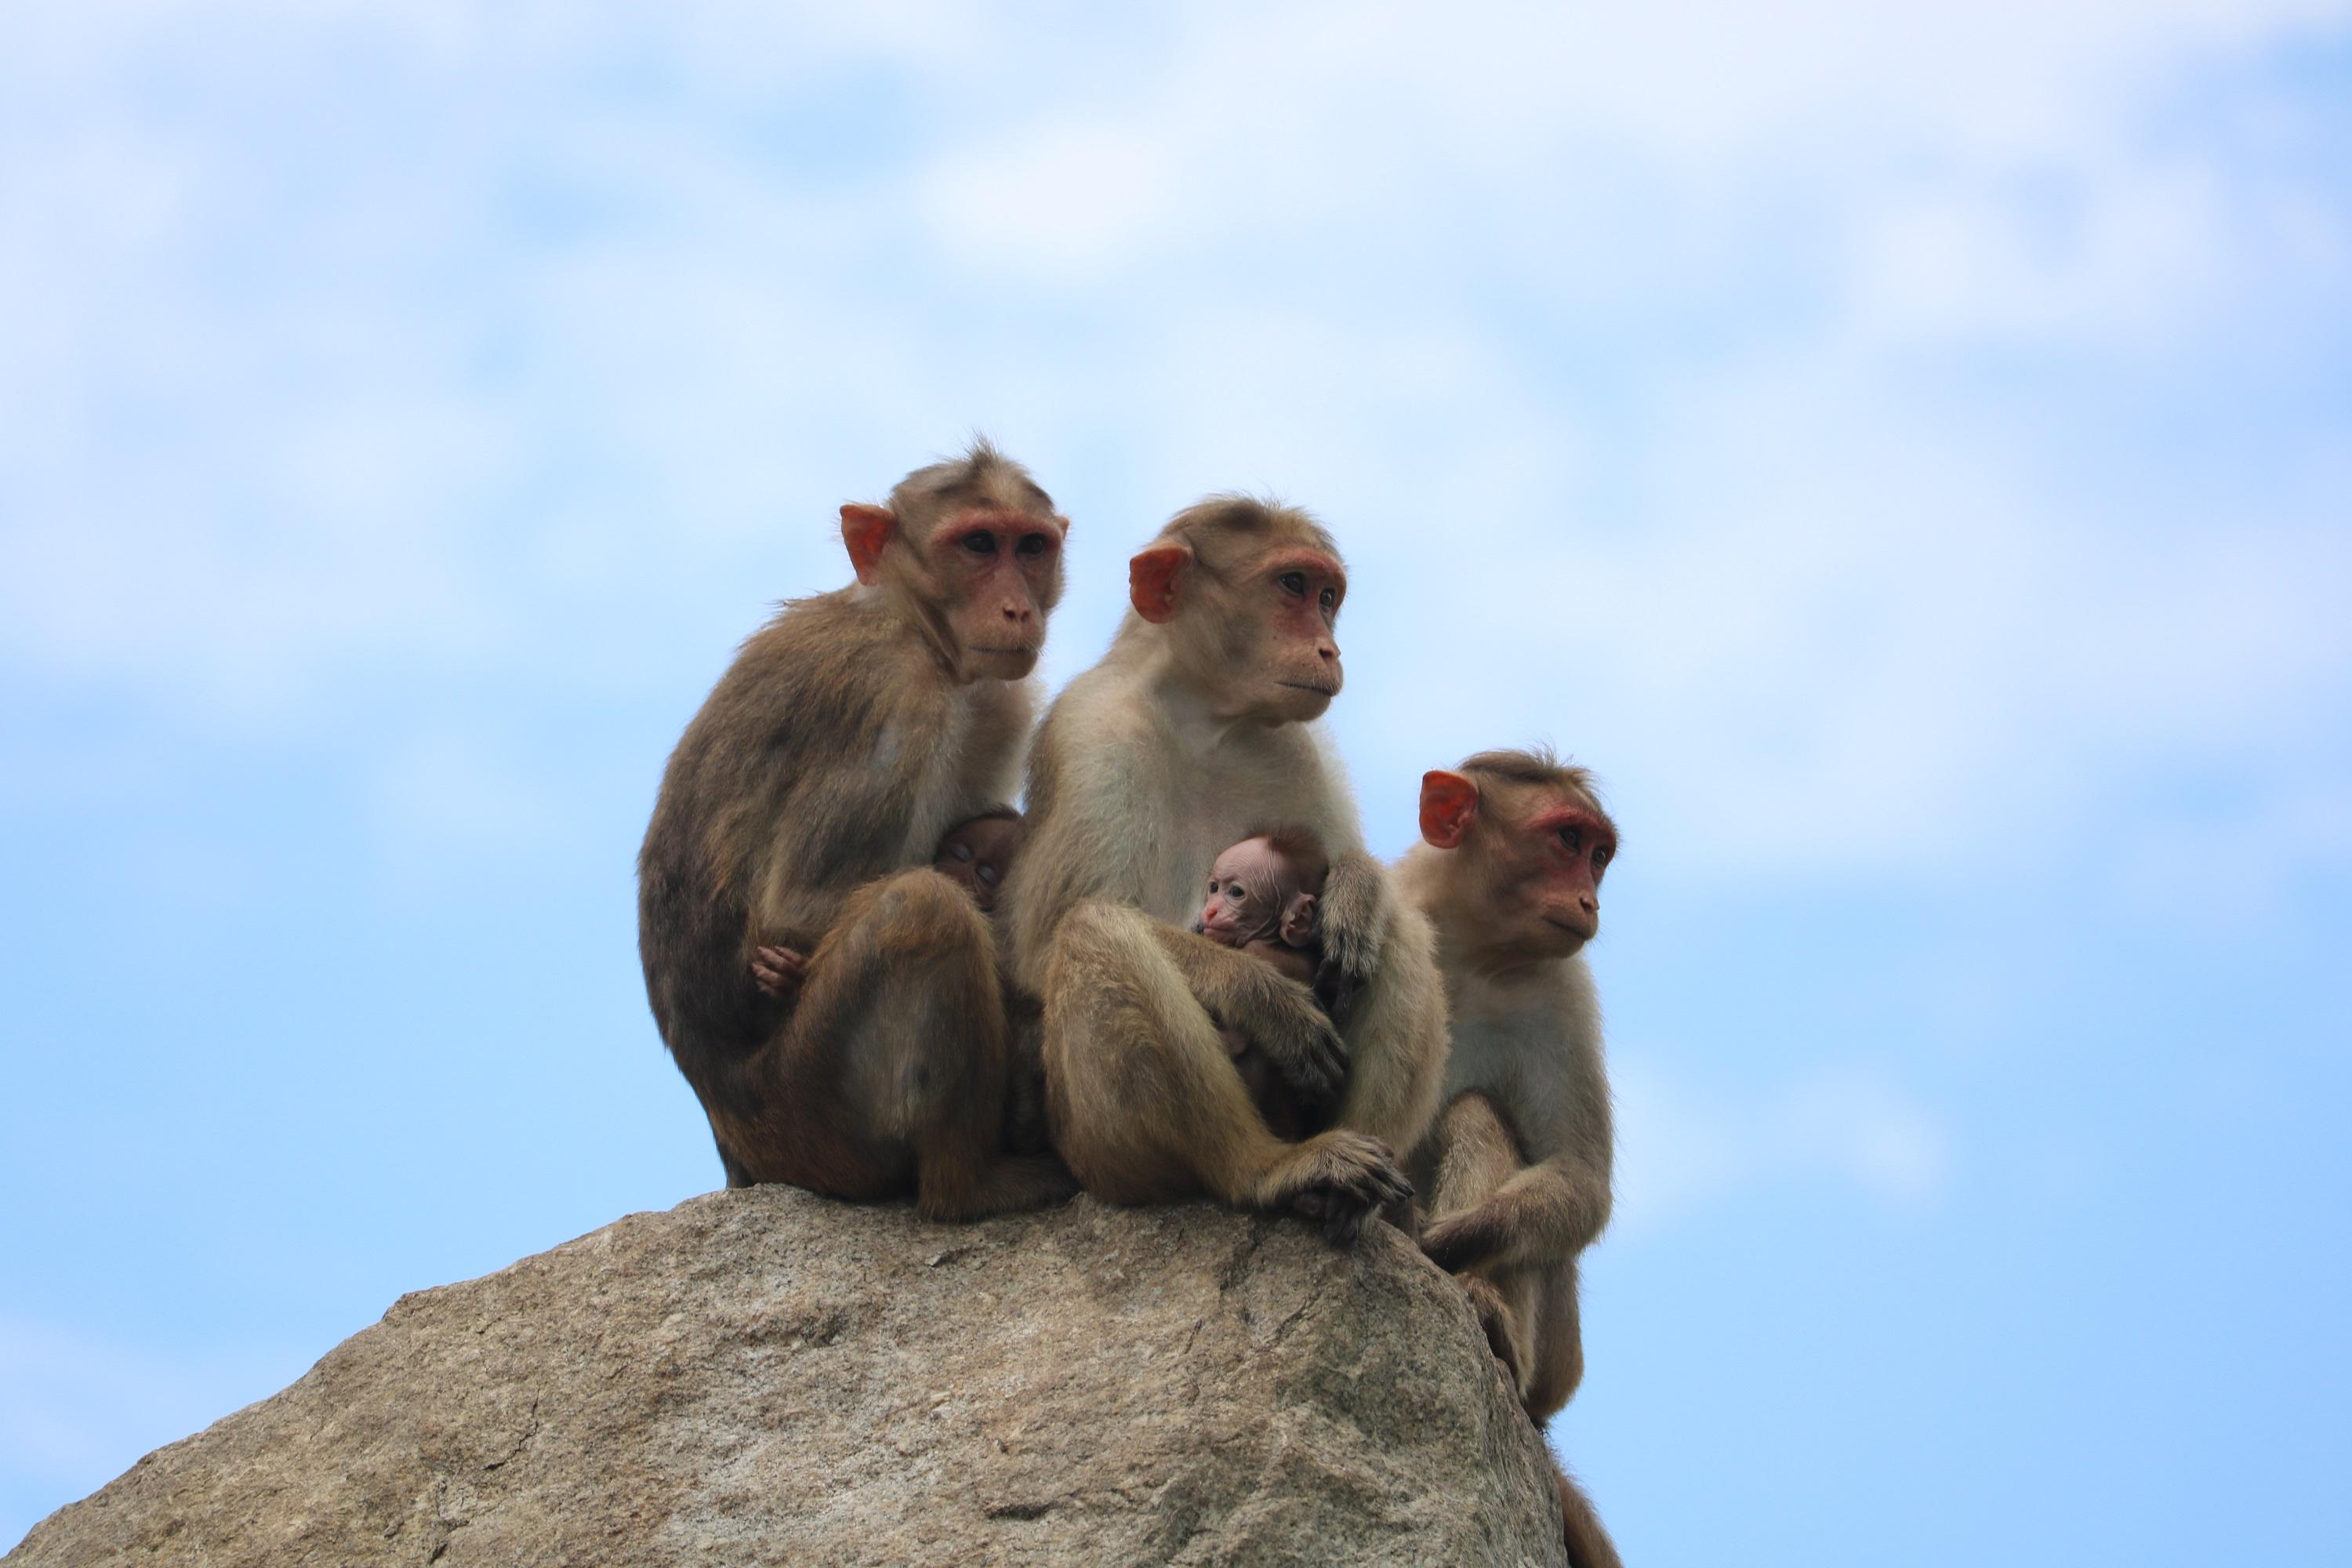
945,768
1515,1057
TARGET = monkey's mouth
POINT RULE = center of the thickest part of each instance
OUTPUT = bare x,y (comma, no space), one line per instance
1330,690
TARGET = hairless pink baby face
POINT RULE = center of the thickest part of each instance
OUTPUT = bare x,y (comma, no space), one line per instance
1256,892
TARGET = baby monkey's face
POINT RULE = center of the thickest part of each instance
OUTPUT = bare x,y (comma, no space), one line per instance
1255,891
976,855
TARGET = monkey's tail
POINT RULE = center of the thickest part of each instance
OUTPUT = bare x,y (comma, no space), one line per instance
1588,1545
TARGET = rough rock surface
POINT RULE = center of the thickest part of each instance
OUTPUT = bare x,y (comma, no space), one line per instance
769,1377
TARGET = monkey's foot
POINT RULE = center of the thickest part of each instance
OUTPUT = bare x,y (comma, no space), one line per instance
778,971
1499,1324
1024,1182
1337,1179
1463,1240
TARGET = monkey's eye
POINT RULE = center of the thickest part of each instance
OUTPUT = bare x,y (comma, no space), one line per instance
1572,836
1294,583
960,851
1601,859
1033,544
988,875
1330,600
980,541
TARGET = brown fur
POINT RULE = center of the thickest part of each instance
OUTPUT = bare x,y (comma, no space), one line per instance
1517,1170
798,815
1188,736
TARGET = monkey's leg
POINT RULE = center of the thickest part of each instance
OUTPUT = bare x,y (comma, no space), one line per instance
1477,1155
1558,1343
1145,1104
903,996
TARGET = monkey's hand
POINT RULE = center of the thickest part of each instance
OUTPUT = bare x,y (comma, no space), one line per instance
1463,1240
1301,1042
778,971
1354,928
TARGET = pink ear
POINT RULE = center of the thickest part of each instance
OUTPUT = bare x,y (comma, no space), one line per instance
866,529
1449,804
1154,579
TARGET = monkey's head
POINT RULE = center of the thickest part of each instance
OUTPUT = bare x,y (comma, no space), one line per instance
1267,888
976,854
1528,845
972,552
1249,593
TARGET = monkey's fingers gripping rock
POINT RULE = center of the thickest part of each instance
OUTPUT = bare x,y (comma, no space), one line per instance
1495,1321
1348,1178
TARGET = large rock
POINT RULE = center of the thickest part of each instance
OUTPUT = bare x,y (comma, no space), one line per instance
769,1377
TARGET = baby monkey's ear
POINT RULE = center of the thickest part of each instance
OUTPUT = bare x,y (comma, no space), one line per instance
1298,920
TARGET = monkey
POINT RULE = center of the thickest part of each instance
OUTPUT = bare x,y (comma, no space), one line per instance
974,855
1192,731
1262,900
794,833
1517,1171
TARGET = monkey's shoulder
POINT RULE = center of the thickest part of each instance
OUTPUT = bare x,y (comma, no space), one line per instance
833,664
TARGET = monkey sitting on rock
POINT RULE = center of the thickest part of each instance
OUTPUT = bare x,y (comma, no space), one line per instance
1263,898
1516,1170
794,830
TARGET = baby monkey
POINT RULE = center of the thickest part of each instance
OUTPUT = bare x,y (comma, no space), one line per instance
1263,894
974,855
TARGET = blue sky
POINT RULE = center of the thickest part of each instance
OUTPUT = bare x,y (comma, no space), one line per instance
1907,452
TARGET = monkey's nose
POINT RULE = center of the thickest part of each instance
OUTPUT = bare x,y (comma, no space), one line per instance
1019,615
1328,652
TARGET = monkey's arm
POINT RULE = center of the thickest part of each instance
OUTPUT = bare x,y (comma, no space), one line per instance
1356,915
1397,1038
1275,1012
1546,1214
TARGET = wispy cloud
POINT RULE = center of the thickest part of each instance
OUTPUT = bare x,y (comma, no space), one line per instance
1684,1146
1678,318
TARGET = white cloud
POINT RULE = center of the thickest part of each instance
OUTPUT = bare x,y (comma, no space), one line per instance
1608,341
1683,1148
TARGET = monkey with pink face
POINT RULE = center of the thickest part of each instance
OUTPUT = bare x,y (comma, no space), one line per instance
1195,730
1517,1168
835,1001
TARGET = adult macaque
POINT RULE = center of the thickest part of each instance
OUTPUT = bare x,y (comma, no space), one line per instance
1190,733
1516,1173
1263,894
833,999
